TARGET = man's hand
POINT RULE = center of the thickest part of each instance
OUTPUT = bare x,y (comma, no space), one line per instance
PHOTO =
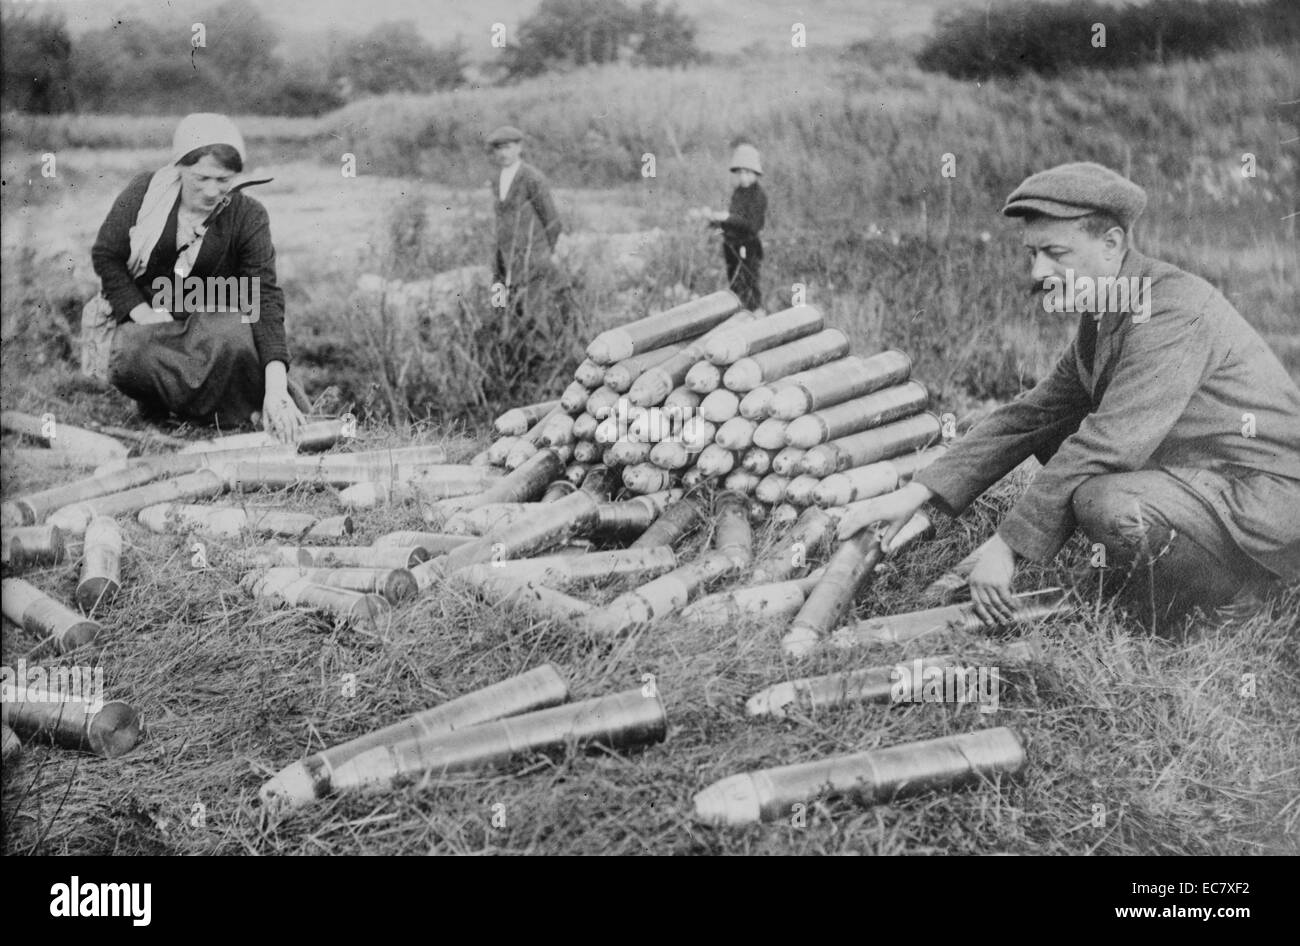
990,582
144,314
893,510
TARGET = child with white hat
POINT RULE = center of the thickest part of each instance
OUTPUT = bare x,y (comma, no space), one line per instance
742,250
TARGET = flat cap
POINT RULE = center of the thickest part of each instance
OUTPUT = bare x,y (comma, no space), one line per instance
505,133
1075,190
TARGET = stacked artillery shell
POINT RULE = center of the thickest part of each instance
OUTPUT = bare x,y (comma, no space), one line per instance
866,777
101,563
290,588
766,366
655,385
517,421
861,413
726,348
868,685
875,479
850,567
655,331
200,484
620,720
836,382
109,730
871,446
532,441
32,545
311,778
898,628
39,614
64,438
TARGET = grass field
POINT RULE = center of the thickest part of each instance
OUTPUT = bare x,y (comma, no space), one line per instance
1167,736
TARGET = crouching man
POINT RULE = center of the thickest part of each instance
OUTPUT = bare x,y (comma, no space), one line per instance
1169,433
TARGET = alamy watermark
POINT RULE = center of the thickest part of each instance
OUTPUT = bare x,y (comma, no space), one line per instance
920,682
1099,295
37,684
195,294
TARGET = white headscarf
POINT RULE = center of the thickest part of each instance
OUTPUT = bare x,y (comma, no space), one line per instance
194,131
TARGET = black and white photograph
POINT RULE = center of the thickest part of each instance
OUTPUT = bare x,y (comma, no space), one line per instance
638,427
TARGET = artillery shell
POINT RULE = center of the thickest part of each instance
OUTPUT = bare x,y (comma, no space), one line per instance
589,374
431,543
523,484
898,628
560,571
801,490
672,455
720,406
762,334
673,524
811,534
601,402
766,366
518,420
736,434
849,567
839,381
784,514
770,434
715,460
757,461
34,507
771,603
866,777
311,778
361,556
698,433
32,545
108,730
584,426
520,452
586,452
544,527
559,489
860,413
742,481
703,378
682,404
287,587
203,484
101,561
621,720
600,481
645,477
655,385
394,584
64,438
771,489
858,483
754,405
39,614
626,453
574,397
733,535
786,461
663,328
622,376
480,520
659,597
870,446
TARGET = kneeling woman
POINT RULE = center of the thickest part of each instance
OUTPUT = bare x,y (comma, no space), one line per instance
173,237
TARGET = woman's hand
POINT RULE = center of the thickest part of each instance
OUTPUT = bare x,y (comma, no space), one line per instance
893,510
990,582
280,415
145,314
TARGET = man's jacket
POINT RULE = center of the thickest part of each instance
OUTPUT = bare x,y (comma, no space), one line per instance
1193,388
528,227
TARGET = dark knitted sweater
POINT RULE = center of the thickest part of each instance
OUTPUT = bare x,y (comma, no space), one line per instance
238,243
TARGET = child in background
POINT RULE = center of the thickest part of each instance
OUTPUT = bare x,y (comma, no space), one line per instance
742,250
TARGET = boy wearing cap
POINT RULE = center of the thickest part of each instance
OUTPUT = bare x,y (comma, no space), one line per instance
1170,437
742,250
528,226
